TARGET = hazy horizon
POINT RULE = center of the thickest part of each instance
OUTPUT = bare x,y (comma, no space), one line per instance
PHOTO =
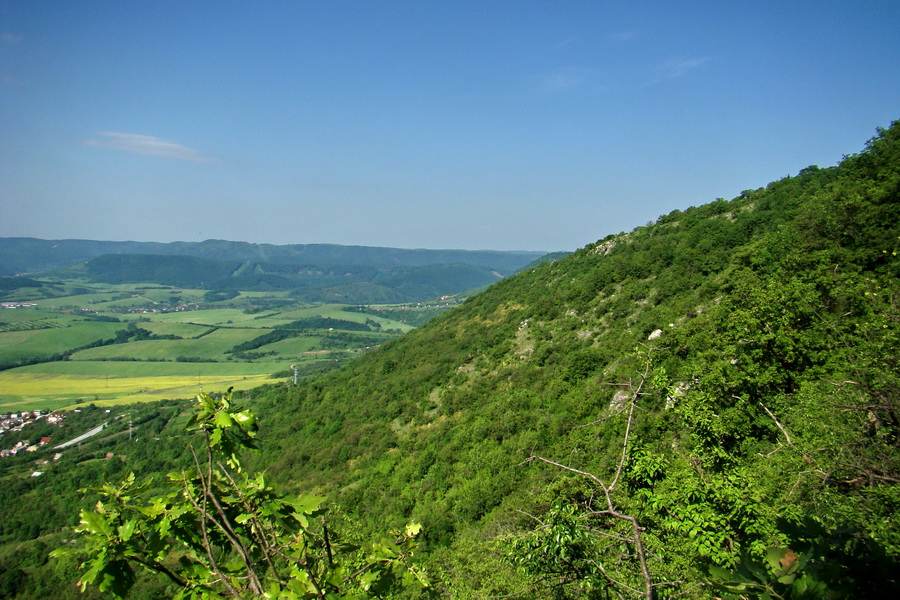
61,239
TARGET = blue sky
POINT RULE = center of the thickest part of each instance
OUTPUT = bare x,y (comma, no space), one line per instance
482,125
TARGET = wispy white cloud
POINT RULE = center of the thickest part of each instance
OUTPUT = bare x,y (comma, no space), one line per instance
146,145
676,67
564,79
622,36
7,37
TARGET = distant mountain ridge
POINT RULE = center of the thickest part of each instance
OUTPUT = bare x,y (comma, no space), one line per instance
358,284
21,255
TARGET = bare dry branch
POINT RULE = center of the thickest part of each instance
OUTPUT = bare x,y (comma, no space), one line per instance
787,436
636,538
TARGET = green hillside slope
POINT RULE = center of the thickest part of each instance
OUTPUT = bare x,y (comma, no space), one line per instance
720,386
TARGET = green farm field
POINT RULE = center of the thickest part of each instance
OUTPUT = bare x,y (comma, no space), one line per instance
212,346
183,330
212,316
47,342
101,369
129,343
297,346
32,320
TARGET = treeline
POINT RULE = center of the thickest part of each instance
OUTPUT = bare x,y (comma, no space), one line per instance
325,323
299,328
411,315
350,283
131,333
14,283
28,255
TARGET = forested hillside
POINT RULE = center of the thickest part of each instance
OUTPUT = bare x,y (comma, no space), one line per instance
29,255
327,273
718,392
703,407
358,284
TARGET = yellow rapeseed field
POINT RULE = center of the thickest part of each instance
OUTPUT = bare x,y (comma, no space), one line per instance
29,391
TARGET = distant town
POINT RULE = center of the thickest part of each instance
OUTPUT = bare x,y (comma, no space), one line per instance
17,304
18,421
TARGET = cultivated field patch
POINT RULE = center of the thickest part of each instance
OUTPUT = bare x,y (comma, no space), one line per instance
31,390
134,342
17,345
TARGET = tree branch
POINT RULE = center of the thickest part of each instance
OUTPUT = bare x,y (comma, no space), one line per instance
256,529
159,568
637,538
584,473
627,437
204,516
225,527
787,436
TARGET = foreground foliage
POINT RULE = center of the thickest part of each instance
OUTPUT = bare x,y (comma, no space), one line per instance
221,532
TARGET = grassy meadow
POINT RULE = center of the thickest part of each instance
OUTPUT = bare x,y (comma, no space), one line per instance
116,344
50,341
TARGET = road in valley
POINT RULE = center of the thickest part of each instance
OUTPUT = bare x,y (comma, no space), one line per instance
81,437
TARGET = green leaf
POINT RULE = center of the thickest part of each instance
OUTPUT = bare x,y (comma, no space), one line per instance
126,530
118,578
215,438
206,402
756,570
304,504
223,419
244,417
721,574
774,556
95,523
154,510
91,575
